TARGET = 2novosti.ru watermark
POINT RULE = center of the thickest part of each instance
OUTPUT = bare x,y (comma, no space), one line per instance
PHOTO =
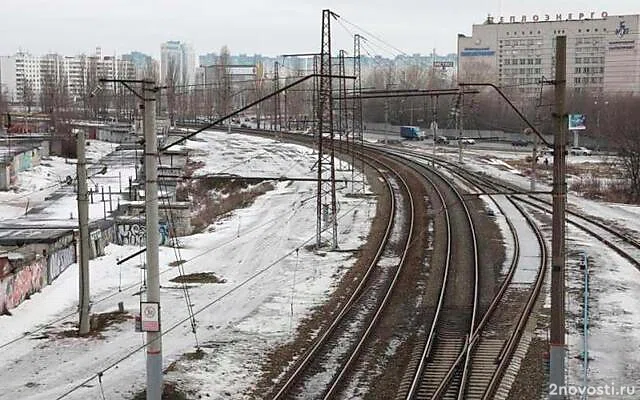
603,390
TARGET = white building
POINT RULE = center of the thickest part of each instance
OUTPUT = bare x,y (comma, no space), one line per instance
23,71
603,51
177,59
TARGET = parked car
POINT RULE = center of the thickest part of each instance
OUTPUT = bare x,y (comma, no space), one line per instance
547,151
442,140
520,143
581,151
466,140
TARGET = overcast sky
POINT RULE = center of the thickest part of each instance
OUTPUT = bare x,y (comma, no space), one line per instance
268,27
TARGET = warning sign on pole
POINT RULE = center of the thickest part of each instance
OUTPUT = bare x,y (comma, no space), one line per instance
150,315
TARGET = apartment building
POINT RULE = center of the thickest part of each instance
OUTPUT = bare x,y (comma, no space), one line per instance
603,52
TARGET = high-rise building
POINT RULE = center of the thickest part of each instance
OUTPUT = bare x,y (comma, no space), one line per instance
177,63
603,51
23,76
144,65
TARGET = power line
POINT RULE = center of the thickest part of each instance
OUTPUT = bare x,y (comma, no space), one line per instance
203,308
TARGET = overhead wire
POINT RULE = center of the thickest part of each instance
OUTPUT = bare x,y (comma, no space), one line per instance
238,286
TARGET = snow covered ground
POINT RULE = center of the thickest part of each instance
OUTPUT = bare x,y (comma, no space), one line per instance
270,281
42,191
614,330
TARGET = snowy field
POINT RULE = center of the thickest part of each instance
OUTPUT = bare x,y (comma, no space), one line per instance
270,280
614,330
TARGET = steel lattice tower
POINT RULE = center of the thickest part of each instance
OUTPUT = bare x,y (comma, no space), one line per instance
343,118
357,140
314,102
326,196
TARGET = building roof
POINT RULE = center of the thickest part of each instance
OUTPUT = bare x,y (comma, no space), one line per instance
22,236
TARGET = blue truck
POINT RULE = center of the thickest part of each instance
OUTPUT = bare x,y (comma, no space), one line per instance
411,133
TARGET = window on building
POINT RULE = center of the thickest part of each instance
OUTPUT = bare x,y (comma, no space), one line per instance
538,60
523,61
538,71
578,60
529,61
576,80
507,62
578,70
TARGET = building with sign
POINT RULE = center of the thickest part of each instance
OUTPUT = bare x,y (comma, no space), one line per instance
603,51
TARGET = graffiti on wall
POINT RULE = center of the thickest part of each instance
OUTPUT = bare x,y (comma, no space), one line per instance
59,261
134,234
15,288
131,234
164,233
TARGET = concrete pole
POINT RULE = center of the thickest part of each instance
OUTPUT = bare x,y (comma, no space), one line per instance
460,127
154,339
585,322
534,163
386,118
434,123
557,346
83,227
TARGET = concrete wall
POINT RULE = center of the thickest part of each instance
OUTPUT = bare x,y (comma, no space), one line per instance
132,230
24,280
59,260
117,136
22,160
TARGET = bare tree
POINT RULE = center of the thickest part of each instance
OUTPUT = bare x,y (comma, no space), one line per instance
4,106
28,95
172,79
54,97
619,128
222,82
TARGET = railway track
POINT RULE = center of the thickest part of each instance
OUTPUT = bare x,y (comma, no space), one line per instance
478,363
454,315
619,241
318,372
460,357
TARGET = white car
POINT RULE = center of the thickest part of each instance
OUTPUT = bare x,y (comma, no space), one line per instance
581,151
465,140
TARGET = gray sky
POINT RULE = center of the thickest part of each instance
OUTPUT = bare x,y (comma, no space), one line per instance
259,26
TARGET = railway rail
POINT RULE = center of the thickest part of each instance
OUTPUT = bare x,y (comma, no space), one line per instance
478,363
324,363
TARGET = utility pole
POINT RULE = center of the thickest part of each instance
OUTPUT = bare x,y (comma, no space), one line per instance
534,164
276,123
83,227
434,126
154,338
461,106
557,345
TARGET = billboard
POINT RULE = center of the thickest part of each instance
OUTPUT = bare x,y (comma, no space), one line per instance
577,122
443,64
